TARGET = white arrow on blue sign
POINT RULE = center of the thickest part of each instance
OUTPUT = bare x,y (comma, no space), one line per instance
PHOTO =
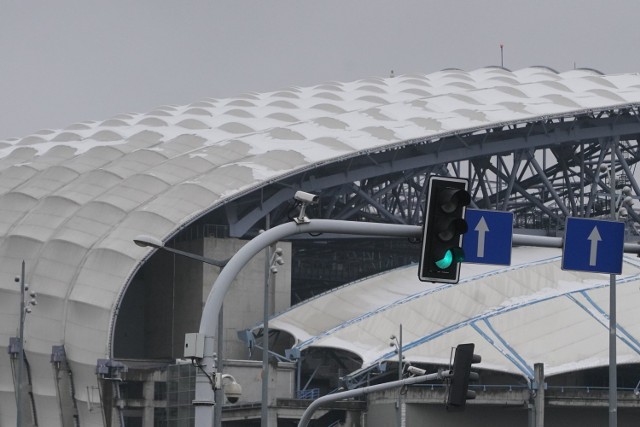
593,245
489,238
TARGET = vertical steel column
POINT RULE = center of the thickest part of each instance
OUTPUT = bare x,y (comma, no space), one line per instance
219,394
399,411
613,368
21,360
539,399
264,410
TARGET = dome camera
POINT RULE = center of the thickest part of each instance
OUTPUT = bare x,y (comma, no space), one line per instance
233,391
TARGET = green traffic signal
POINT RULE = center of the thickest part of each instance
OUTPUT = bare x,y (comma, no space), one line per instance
449,257
446,261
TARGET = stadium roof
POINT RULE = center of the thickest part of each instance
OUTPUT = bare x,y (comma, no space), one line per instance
530,312
72,200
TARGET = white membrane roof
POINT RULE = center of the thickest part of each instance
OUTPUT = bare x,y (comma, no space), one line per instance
530,312
72,200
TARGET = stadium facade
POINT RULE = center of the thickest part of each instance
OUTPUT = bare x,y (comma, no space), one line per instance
102,347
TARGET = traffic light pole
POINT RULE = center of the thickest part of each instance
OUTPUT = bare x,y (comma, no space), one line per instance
204,400
306,416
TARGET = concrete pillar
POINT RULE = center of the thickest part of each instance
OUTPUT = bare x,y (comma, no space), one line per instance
539,399
272,415
148,391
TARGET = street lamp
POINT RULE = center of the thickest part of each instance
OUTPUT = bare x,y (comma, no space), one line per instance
272,262
222,285
151,242
145,241
397,343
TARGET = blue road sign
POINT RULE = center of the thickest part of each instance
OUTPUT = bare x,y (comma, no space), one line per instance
488,240
593,245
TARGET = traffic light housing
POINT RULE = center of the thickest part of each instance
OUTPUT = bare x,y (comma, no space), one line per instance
459,391
444,225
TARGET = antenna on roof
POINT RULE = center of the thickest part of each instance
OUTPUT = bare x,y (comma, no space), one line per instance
502,55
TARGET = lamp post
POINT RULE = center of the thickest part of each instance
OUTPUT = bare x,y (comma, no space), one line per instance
148,241
397,343
271,261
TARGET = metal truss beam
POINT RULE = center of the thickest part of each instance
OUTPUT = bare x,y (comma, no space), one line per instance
544,169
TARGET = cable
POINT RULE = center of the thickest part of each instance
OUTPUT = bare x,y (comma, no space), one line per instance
211,379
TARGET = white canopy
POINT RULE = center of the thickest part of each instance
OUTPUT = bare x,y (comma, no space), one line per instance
531,312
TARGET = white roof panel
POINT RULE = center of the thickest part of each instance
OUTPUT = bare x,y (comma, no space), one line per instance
531,312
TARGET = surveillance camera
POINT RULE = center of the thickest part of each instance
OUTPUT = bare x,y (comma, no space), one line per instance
233,391
16,279
416,371
304,197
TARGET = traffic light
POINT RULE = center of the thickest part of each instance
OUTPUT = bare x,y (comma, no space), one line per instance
444,225
459,391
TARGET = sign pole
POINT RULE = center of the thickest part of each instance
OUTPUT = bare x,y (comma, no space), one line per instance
613,371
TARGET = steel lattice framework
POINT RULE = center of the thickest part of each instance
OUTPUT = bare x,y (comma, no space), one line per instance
543,171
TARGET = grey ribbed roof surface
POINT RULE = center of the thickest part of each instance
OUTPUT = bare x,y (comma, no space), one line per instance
71,200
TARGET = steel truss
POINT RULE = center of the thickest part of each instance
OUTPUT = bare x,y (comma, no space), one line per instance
543,171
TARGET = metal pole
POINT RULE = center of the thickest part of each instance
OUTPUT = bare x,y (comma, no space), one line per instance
306,417
400,369
264,412
539,399
613,369
204,399
219,394
21,354
207,411
399,402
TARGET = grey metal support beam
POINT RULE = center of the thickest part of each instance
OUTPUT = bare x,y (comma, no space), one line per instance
531,198
517,159
542,175
568,184
370,199
596,180
627,170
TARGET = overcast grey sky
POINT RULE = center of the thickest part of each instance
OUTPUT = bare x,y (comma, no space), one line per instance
66,61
